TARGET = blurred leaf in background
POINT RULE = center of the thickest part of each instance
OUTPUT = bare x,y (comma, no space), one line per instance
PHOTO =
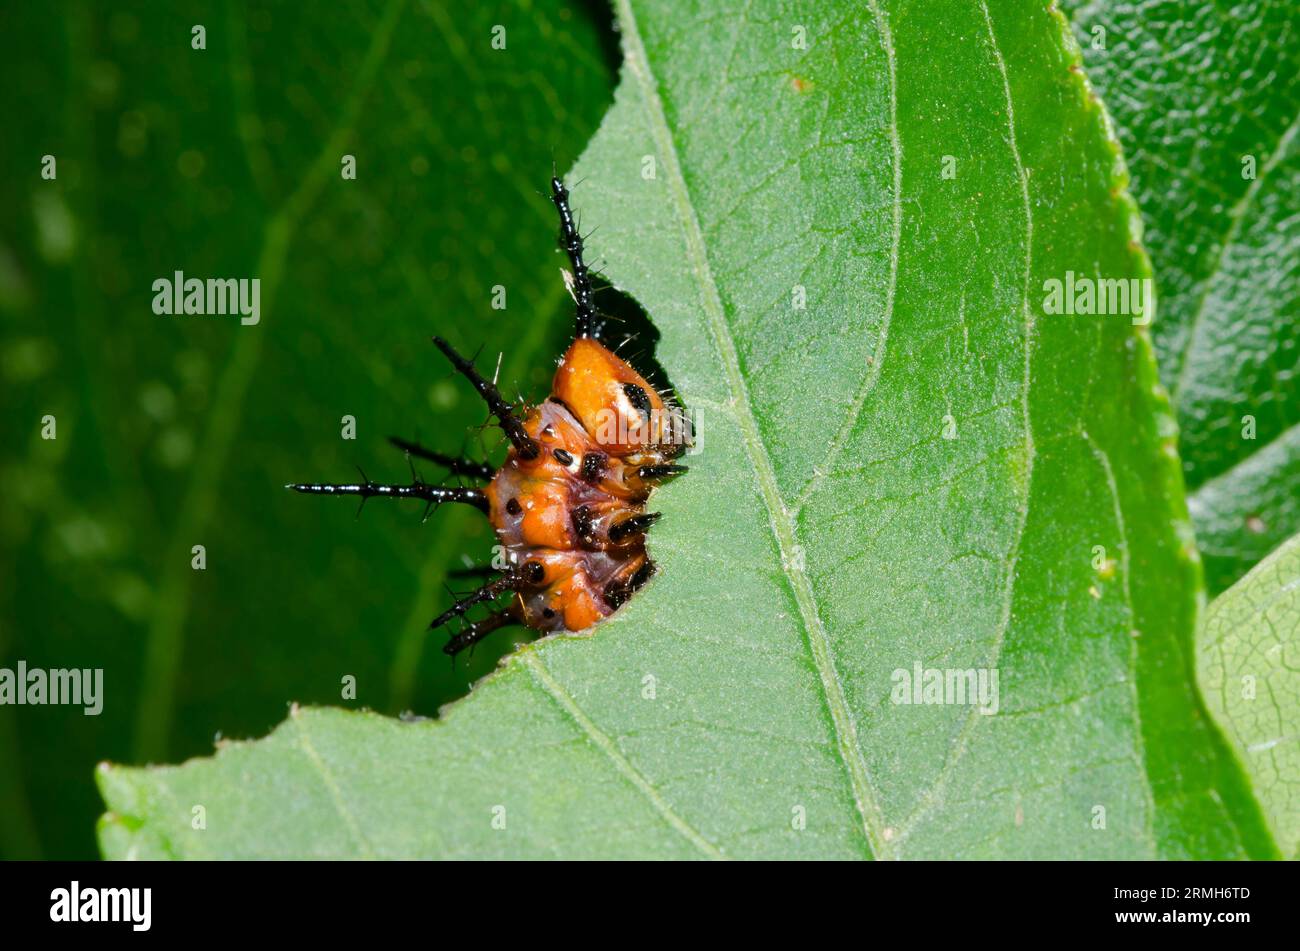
226,161
1206,97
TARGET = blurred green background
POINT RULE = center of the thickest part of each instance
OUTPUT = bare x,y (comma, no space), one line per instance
178,431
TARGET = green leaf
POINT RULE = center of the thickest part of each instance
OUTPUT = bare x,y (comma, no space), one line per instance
172,432
832,309
1247,666
1207,101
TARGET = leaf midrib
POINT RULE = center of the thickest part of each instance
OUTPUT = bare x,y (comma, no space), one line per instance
780,518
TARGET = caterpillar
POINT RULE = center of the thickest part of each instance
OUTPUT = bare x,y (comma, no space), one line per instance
568,505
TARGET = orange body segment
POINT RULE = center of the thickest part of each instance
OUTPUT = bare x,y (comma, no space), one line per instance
559,507
617,408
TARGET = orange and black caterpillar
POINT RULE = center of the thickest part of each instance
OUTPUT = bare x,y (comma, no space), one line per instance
568,503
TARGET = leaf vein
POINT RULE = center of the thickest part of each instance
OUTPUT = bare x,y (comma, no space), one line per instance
331,786
606,745
781,519
1113,487
936,793
840,440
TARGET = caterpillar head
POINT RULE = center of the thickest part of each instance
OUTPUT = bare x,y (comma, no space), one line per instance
623,413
